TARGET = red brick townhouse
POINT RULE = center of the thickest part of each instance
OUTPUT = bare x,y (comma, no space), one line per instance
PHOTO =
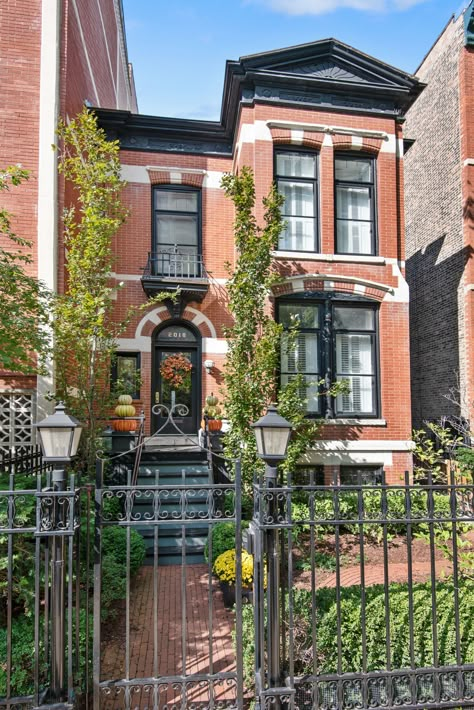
324,121
55,55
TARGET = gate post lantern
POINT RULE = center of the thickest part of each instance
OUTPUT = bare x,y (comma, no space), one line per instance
59,436
272,433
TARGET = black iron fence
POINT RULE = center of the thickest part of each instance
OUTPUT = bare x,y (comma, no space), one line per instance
374,601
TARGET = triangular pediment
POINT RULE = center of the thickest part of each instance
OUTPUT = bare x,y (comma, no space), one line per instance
331,62
326,69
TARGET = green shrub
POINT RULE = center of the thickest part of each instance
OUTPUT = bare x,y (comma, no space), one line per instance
23,653
223,539
351,622
114,545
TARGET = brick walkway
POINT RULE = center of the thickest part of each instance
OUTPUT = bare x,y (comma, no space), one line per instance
168,661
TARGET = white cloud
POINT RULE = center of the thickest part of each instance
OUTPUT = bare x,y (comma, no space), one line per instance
319,7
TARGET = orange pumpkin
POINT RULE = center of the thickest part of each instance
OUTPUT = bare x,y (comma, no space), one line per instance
214,424
124,424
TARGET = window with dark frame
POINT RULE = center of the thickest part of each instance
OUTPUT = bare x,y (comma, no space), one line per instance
296,175
126,371
360,475
348,351
176,230
355,204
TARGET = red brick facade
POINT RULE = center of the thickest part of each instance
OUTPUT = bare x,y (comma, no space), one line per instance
379,279
38,83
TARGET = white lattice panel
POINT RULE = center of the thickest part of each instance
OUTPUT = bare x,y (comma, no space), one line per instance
16,420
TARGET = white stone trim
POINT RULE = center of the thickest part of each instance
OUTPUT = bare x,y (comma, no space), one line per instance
174,169
297,137
47,207
125,277
325,128
141,344
349,458
214,346
199,318
355,422
343,258
330,279
468,161
357,142
141,174
150,316
362,445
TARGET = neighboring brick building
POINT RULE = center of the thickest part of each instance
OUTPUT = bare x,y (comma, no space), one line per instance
55,55
325,121
439,173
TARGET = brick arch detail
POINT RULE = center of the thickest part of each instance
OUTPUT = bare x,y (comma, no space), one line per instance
311,139
159,315
369,145
324,283
163,177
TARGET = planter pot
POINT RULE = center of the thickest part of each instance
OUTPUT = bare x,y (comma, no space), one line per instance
228,594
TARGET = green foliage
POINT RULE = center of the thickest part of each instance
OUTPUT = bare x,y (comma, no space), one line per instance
430,451
223,539
375,610
255,338
84,329
23,653
114,545
323,506
24,301
464,457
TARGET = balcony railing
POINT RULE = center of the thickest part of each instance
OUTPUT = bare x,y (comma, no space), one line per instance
175,264
170,269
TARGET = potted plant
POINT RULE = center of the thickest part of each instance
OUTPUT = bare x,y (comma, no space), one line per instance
213,412
224,569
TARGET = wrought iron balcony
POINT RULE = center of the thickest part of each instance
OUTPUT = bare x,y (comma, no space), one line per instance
173,269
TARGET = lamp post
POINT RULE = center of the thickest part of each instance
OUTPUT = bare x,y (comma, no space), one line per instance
59,436
272,433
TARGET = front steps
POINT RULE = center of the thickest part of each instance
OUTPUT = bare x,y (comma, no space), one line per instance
175,543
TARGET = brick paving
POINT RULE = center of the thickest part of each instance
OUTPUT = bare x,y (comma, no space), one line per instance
167,658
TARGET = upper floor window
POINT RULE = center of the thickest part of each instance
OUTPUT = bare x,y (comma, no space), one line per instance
176,231
355,204
296,174
336,341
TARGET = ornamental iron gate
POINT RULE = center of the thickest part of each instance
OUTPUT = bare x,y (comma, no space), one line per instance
168,649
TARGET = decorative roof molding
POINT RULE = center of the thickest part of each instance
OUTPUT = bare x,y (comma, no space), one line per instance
327,74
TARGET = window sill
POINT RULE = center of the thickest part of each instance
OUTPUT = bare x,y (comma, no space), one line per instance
355,422
312,256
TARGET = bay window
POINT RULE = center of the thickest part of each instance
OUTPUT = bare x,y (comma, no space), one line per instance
296,174
355,204
335,341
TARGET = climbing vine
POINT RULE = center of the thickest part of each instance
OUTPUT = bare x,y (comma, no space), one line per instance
255,338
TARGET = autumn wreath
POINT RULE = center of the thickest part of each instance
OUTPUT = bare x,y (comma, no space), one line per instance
176,369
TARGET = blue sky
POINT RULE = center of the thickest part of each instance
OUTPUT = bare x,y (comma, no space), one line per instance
178,49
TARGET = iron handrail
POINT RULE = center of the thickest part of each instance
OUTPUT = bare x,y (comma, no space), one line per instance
139,450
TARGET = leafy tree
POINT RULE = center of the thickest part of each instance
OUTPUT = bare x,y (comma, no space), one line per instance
255,338
24,301
84,328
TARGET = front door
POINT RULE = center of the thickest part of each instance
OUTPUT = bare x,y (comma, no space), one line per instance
176,380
